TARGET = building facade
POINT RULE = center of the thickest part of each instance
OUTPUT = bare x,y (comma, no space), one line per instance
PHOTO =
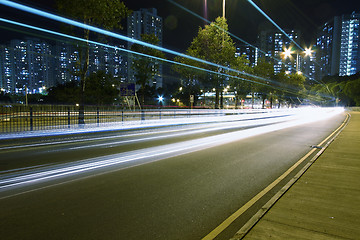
349,47
273,44
250,52
33,65
338,46
26,65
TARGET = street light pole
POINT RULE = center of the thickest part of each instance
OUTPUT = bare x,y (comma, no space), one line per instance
297,61
223,8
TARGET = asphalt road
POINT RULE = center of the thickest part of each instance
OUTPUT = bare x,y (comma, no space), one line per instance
155,183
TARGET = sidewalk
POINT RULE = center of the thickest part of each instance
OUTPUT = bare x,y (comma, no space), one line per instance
325,202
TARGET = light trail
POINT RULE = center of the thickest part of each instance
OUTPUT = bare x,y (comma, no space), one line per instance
204,129
291,39
149,56
108,33
274,23
142,156
236,37
207,124
207,21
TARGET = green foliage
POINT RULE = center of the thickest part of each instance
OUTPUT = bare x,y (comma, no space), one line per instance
106,14
345,89
212,44
67,93
265,70
101,89
352,90
279,92
5,97
242,87
295,86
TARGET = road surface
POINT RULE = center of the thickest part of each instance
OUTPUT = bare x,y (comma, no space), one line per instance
169,182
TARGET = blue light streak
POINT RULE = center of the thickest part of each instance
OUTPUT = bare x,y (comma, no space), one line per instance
121,37
268,18
207,21
236,37
137,53
108,33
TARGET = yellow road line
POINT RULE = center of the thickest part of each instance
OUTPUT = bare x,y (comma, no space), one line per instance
214,233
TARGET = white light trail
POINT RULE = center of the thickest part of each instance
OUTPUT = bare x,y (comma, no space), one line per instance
213,116
302,116
222,122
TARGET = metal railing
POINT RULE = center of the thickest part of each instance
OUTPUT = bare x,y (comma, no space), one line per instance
20,118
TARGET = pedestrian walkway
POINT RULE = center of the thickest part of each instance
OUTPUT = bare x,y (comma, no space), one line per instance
325,202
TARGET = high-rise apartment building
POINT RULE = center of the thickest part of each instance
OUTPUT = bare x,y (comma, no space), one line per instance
26,64
338,46
324,48
145,21
349,47
250,52
109,60
35,65
273,43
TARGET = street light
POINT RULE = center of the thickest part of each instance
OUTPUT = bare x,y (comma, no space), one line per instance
160,99
288,52
308,52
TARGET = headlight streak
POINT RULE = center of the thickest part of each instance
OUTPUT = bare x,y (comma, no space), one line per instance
161,152
244,123
130,125
220,122
121,37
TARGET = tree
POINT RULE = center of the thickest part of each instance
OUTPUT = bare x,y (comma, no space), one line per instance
101,89
213,44
241,83
66,93
294,87
279,91
344,89
106,14
352,90
146,68
265,70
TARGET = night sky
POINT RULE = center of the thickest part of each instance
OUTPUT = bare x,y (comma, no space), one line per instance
244,20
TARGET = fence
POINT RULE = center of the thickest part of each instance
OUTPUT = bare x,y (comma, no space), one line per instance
19,118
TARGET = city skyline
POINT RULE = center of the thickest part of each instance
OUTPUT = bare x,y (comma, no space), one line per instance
275,44
243,19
